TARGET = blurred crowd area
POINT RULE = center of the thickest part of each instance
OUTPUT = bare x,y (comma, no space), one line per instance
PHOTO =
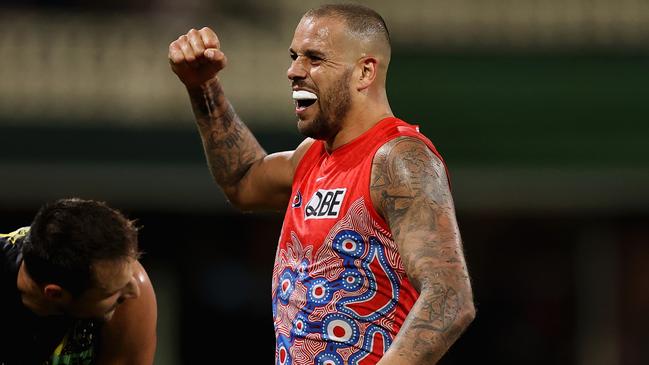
539,108
105,61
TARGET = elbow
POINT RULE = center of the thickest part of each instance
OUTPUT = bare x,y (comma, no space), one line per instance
467,310
241,202
466,315
235,198
238,203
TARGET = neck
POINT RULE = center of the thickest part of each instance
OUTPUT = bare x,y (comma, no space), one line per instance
359,120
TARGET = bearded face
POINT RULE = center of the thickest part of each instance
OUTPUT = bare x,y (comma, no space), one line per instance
323,118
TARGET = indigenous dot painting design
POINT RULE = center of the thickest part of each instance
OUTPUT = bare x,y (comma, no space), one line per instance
328,359
335,305
319,292
286,285
339,328
370,306
377,339
300,326
283,355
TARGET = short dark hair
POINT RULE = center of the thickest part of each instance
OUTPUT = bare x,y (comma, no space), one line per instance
359,19
68,236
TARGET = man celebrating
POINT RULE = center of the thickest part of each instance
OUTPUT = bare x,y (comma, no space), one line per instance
369,267
73,290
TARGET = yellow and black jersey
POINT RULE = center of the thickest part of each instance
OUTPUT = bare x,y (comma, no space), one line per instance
28,339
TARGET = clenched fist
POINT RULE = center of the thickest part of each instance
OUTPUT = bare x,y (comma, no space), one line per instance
195,57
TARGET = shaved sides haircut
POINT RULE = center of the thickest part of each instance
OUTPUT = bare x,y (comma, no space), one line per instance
360,20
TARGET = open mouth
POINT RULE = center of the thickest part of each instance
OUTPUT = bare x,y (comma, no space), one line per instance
304,99
305,103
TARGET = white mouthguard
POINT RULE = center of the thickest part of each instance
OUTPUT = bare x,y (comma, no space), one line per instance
304,95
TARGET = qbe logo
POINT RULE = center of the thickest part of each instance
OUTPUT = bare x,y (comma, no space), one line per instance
324,204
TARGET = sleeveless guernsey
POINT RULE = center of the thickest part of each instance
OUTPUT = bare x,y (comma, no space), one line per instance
340,291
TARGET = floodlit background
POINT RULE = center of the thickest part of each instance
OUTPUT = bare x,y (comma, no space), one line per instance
540,108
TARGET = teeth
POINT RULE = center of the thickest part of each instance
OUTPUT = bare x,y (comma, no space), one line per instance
304,95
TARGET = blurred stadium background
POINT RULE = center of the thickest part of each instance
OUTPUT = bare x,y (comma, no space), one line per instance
540,108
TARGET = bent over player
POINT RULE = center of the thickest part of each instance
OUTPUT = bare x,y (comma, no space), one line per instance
73,291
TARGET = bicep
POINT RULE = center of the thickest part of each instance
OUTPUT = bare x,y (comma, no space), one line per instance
129,338
268,182
410,190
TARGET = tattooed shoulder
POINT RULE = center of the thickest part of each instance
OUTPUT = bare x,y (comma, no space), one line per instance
403,170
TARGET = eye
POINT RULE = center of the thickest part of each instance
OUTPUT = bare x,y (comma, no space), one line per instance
293,56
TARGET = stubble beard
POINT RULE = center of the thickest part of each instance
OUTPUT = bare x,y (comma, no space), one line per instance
333,106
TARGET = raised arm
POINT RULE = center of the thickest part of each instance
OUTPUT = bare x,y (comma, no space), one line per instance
129,337
410,190
249,177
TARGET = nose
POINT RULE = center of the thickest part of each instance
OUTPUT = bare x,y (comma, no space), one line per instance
296,70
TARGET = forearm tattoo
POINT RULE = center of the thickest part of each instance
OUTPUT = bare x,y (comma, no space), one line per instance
230,147
410,188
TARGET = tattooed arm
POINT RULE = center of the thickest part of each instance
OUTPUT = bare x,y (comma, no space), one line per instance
249,177
410,190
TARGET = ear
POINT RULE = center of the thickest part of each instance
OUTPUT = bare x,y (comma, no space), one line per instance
368,66
54,293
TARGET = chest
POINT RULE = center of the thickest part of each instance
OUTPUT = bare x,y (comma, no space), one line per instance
332,192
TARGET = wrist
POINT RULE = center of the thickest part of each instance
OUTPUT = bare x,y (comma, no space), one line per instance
205,86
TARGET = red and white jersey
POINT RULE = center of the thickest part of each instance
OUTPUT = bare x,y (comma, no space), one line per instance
340,291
